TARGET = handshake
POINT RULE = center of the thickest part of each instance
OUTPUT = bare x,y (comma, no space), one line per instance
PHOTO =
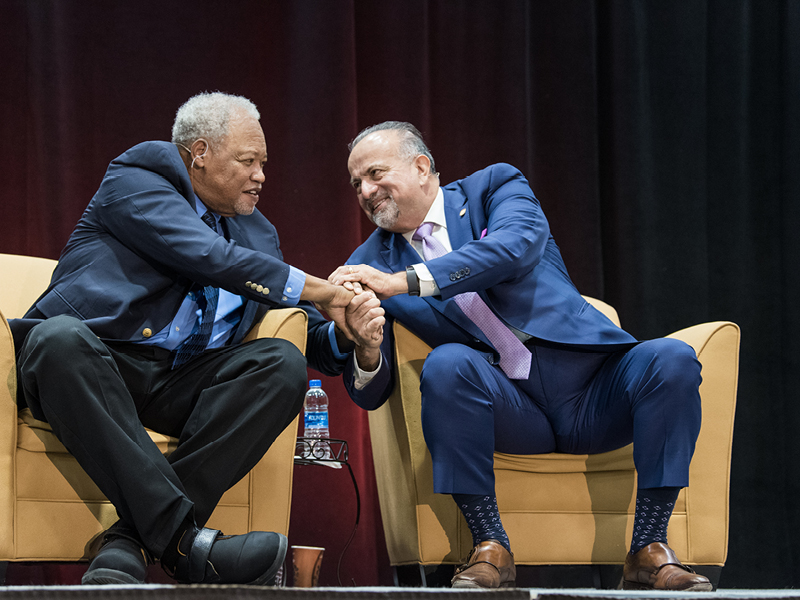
352,298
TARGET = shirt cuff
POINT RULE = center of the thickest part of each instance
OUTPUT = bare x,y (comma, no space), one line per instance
294,287
337,354
362,378
427,286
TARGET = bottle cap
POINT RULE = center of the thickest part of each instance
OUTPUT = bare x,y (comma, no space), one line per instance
315,383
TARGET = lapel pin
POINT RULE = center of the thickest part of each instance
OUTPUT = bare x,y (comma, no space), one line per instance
463,212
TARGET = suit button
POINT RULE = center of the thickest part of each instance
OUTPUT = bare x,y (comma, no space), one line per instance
147,332
452,276
253,286
249,283
466,271
259,288
265,291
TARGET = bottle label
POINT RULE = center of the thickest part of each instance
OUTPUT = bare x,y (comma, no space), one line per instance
316,420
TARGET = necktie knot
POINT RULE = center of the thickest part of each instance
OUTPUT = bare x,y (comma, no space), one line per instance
431,247
209,220
423,231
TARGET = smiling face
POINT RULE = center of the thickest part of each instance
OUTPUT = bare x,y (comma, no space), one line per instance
394,191
228,178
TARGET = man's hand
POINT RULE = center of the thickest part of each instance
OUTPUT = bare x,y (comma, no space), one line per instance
385,285
365,318
333,299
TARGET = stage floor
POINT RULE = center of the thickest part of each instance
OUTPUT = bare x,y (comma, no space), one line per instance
214,592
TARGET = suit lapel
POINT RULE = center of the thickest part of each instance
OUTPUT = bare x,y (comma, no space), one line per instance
456,213
397,253
233,231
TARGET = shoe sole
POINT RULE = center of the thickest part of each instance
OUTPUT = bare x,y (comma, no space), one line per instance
475,586
268,578
700,587
108,577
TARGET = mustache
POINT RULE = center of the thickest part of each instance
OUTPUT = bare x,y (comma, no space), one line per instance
375,199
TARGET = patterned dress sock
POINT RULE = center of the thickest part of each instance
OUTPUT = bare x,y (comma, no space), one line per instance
653,510
483,518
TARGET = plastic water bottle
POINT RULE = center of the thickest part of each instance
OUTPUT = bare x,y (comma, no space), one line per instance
316,420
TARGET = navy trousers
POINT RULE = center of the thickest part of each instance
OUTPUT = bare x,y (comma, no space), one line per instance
226,407
573,402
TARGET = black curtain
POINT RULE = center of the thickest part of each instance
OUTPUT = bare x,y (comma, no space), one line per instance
661,136
698,182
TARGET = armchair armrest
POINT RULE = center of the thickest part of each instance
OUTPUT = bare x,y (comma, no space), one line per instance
717,348
287,323
8,434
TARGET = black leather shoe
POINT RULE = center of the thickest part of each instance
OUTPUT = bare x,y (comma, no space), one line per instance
121,559
207,556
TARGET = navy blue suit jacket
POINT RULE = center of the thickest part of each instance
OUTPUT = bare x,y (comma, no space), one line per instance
140,246
502,249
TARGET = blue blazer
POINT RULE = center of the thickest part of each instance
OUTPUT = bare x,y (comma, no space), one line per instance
502,249
140,246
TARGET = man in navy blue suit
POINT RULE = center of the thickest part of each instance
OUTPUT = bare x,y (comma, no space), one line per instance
142,325
521,363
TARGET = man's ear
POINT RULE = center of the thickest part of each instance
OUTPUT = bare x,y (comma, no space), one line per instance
198,151
423,165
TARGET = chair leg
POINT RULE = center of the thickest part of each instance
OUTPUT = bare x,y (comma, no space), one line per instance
3,570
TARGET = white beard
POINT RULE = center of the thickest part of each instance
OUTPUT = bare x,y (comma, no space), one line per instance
388,215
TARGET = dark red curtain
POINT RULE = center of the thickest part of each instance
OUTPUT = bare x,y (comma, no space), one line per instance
661,137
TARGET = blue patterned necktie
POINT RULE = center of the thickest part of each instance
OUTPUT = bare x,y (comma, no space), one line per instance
207,298
515,358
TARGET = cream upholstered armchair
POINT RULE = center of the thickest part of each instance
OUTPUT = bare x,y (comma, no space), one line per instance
49,508
558,509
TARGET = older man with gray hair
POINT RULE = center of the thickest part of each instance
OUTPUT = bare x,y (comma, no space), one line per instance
142,326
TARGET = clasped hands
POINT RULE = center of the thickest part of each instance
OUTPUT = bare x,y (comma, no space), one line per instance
364,316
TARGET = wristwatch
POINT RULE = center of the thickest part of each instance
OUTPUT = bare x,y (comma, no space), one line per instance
413,281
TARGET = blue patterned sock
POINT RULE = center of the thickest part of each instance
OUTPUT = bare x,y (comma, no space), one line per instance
483,518
653,510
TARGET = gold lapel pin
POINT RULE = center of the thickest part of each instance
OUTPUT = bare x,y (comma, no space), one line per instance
463,212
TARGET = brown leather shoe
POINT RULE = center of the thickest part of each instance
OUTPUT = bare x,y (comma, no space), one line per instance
655,567
489,565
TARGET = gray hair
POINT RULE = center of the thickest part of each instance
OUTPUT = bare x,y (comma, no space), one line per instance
207,115
411,142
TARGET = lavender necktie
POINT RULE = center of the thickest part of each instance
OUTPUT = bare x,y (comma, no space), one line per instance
207,300
515,358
